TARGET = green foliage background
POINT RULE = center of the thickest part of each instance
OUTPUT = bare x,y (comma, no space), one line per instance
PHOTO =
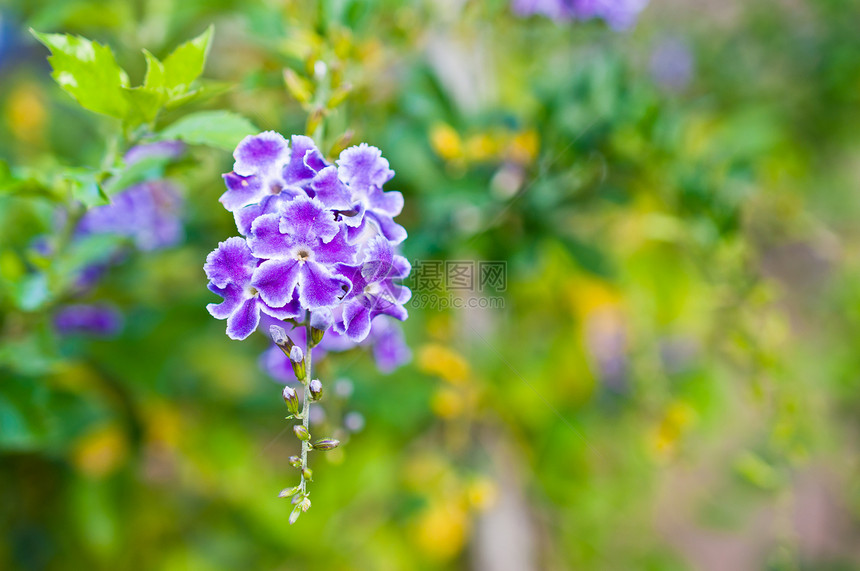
673,381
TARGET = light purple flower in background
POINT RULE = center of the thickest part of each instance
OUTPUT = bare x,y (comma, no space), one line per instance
671,63
229,269
619,14
160,149
147,213
390,350
100,320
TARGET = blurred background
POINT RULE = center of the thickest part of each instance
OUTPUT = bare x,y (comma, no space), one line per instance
667,377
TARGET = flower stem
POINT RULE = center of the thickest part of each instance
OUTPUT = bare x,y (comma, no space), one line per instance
306,405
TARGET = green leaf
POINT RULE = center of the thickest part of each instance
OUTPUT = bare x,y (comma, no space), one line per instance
185,64
32,292
206,90
85,188
148,168
12,183
88,72
154,79
221,129
143,105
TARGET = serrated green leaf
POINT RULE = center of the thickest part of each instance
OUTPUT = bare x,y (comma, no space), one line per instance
186,64
221,129
154,79
88,72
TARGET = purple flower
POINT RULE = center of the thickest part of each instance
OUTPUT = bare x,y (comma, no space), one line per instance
619,14
363,170
147,213
98,319
229,269
267,166
306,222
672,63
301,245
390,350
161,149
373,289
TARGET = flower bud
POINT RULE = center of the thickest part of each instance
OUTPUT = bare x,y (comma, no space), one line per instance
320,321
308,474
295,462
296,499
297,358
306,504
289,491
292,400
326,444
316,389
339,95
296,354
341,143
299,87
314,120
301,432
279,336
294,515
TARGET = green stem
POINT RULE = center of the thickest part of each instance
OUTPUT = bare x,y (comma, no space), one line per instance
306,405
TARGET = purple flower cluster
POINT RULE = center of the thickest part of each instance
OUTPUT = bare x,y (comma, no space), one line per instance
317,240
619,14
100,320
148,212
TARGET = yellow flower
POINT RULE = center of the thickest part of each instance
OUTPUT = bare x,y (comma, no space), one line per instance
482,493
523,148
444,362
481,147
447,403
441,530
668,432
446,142
101,451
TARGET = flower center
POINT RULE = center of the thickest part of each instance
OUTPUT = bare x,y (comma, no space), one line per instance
274,188
251,291
303,255
372,289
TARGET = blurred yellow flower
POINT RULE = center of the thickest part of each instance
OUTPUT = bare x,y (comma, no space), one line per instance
667,434
481,147
482,493
441,530
524,146
163,423
446,142
447,403
25,112
439,360
101,451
